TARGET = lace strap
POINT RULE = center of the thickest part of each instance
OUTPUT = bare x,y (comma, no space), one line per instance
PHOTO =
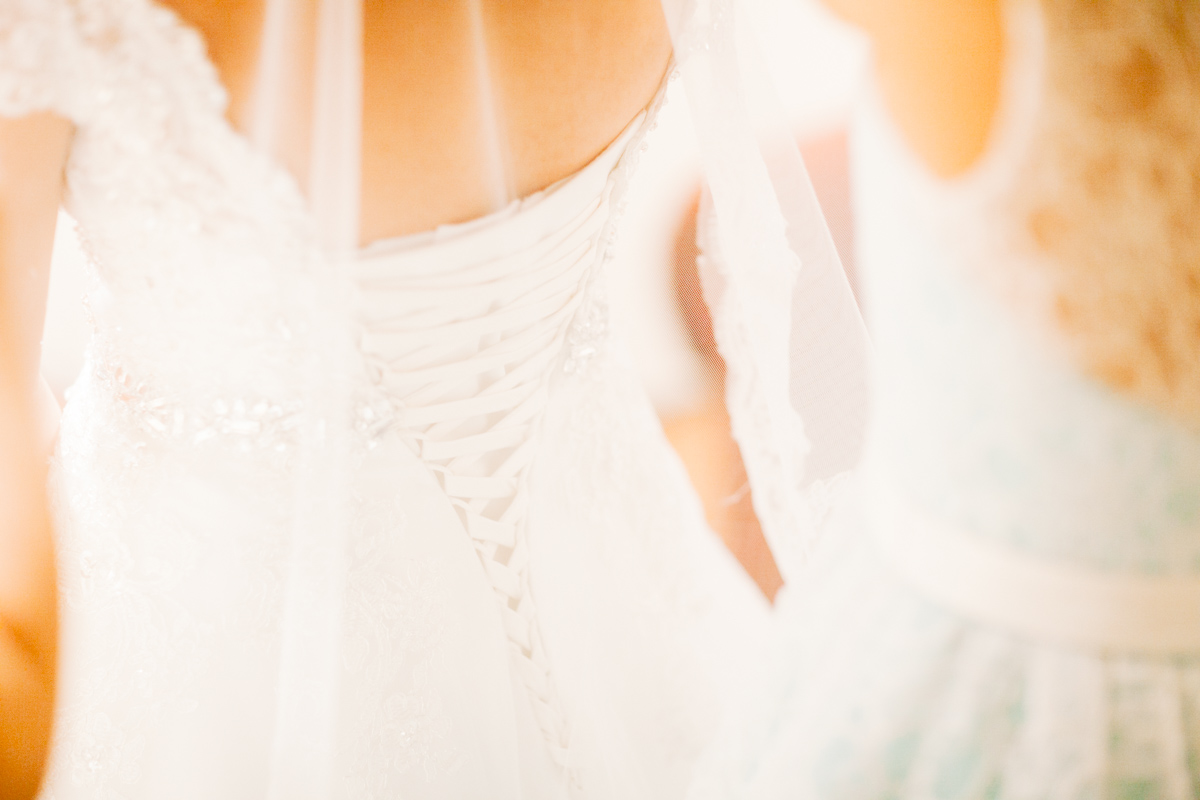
46,64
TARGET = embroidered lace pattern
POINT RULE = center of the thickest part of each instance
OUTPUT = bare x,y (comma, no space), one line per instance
461,354
176,467
179,440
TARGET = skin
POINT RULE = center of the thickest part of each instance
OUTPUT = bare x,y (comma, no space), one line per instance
938,64
423,161
939,70
33,152
424,156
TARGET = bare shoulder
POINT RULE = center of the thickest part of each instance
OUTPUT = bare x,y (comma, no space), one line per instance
939,65
563,79
895,19
566,78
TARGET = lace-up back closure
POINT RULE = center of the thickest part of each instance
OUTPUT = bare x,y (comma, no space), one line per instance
463,329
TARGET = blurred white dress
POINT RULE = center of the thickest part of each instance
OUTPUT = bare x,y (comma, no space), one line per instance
1008,607
534,606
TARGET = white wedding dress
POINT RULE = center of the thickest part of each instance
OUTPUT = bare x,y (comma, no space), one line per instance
534,606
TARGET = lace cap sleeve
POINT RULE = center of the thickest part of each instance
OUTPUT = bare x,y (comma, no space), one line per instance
46,61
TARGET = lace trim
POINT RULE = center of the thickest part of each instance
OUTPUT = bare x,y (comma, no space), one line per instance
785,517
590,328
480,444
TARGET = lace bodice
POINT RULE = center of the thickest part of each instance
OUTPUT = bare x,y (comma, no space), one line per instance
203,300
987,411
197,246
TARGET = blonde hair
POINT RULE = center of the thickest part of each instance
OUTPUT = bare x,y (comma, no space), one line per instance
1111,200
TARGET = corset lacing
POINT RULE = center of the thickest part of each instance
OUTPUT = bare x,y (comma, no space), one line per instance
464,348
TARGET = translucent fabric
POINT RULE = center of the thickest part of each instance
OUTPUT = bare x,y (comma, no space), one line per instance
784,316
311,61
349,522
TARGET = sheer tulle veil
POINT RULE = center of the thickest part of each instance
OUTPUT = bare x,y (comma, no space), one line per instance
785,318
307,112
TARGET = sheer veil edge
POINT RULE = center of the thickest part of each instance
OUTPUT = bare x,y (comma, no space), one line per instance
785,319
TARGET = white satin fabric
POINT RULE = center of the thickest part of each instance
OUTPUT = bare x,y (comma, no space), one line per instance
533,606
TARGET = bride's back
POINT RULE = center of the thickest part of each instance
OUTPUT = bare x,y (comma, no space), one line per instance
564,80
